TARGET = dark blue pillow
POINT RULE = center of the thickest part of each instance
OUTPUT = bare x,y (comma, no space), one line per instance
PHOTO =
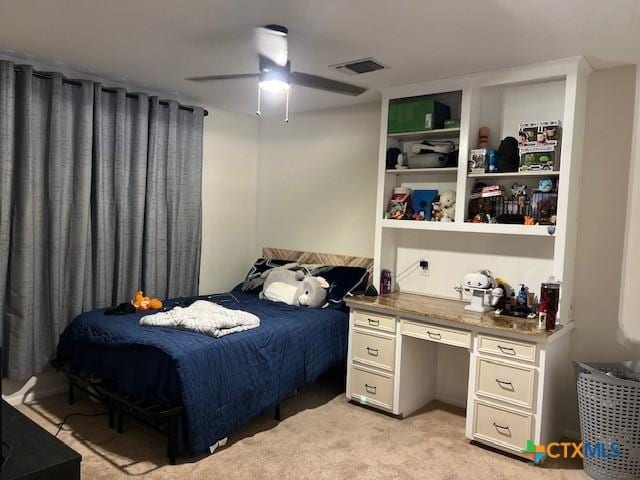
254,281
343,281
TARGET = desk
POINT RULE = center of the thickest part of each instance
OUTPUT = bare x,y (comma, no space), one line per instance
35,454
515,375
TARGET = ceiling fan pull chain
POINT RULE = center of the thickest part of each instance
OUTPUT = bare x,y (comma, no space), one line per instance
286,108
258,110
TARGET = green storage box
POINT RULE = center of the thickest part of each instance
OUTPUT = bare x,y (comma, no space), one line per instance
416,114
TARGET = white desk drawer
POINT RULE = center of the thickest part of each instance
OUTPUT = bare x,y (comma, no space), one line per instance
434,333
376,321
507,348
507,382
502,426
374,349
371,388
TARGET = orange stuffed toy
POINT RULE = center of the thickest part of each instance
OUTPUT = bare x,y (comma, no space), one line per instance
143,303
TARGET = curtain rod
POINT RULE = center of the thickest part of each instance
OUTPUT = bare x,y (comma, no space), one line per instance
76,83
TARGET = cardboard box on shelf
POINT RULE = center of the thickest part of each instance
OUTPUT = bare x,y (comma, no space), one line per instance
539,158
537,133
477,162
416,114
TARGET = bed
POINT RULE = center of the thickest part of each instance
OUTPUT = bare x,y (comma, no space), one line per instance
217,384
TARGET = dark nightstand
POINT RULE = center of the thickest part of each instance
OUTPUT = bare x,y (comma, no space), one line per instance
35,453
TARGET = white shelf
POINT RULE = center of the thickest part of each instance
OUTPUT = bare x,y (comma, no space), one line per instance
499,100
547,173
504,229
408,171
467,227
426,134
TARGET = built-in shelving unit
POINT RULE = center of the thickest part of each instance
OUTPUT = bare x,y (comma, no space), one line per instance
526,254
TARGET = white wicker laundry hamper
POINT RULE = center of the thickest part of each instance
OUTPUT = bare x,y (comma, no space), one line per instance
609,405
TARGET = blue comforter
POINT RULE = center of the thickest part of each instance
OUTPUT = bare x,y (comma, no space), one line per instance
221,382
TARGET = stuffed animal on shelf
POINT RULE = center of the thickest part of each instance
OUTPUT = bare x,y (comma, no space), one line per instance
444,208
144,303
295,288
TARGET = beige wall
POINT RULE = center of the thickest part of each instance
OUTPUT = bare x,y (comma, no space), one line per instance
317,180
629,324
602,224
602,217
230,155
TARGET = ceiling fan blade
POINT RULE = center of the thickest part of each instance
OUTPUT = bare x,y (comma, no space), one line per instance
322,83
271,42
222,77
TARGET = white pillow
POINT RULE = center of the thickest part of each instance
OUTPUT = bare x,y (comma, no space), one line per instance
281,292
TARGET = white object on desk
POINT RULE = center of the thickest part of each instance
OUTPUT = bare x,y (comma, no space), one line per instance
481,299
481,287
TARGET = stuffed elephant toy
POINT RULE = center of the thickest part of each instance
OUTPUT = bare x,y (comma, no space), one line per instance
295,288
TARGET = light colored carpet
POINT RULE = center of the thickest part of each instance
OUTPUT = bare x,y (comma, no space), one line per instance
322,436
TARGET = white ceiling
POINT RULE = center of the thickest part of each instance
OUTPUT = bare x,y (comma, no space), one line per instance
156,43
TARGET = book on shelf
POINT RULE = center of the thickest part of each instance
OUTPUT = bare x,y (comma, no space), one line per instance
487,191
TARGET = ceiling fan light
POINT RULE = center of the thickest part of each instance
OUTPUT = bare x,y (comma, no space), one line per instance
274,86
281,59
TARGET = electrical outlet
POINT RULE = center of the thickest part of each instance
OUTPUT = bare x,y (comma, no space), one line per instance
424,267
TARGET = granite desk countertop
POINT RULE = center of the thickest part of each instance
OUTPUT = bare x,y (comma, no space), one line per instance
449,310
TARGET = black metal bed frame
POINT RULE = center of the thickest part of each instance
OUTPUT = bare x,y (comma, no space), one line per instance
161,416
158,415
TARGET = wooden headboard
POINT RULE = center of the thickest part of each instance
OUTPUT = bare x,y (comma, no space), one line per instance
319,258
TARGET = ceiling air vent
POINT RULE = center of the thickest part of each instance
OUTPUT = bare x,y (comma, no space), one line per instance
357,67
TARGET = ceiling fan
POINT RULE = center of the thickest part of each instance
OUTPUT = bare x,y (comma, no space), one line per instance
275,73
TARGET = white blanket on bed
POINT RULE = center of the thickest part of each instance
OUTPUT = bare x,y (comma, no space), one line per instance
205,317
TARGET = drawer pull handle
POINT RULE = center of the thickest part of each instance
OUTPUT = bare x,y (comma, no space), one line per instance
435,336
507,350
502,428
505,385
373,322
370,389
372,351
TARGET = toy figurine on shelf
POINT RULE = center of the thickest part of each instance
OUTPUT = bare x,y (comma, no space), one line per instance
518,190
396,214
545,185
483,137
399,203
528,220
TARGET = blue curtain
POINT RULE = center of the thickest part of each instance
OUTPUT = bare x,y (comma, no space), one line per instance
100,195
